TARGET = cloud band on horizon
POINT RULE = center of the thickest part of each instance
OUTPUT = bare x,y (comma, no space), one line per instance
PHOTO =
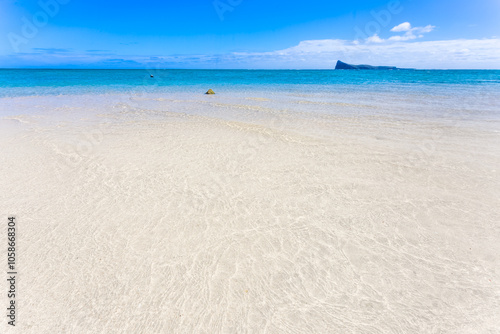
310,54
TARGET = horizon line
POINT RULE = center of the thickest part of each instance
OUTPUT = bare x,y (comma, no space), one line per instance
249,69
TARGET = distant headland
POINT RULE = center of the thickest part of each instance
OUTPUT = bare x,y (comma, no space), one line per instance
344,66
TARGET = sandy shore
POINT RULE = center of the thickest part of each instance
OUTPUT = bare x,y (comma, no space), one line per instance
247,218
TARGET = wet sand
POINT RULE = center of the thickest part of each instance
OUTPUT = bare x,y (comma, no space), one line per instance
244,216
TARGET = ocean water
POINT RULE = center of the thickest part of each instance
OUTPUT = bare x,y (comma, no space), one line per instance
26,82
471,94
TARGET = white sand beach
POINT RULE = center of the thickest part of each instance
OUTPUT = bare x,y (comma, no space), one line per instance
246,214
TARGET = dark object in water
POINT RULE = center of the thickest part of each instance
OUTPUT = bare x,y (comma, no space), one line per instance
151,76
343,66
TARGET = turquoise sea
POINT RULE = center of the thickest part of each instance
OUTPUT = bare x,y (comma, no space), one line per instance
26,82
473,93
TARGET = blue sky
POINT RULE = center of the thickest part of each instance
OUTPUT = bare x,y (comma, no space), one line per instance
248,33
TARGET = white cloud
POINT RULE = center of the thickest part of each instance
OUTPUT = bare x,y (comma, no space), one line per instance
374,39
406,26
405,37
410,33
425,29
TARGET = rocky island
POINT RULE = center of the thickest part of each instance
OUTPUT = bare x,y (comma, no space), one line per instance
344,66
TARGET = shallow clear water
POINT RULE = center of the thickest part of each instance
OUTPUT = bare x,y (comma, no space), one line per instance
471,94
290,201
